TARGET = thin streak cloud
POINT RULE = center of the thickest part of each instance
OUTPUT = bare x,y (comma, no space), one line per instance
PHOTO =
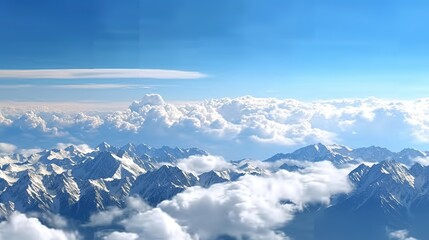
99,73
78,86
99,86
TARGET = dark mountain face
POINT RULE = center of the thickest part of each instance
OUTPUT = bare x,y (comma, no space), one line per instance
387,196
162,184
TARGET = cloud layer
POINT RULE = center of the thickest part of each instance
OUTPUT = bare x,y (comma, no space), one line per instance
99,73
19,226
400,235
234,128
253,207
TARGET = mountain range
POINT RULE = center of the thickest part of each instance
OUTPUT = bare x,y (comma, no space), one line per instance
390,192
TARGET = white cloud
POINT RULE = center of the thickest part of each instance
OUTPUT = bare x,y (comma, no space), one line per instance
78,86
19,227
6,148
15,107
121,236
155,224
202,164
140,221
100,73
424,161
252,207
400,235
28,152
81,147
104,218
17,86
98,86
53,220
257,127
4,120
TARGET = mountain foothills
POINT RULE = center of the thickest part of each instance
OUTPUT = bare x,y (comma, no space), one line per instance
390,189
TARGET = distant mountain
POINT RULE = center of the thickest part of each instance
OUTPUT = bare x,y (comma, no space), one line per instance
317,152
339,154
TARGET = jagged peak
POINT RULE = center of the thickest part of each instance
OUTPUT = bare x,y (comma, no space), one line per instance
128,146
71,148
104,146
373,148
390,169
418,170
169,168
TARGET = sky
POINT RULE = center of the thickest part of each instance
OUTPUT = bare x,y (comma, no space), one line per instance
258,77
305,50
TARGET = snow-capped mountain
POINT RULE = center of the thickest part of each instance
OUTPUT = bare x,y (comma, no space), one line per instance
76,183
317,152
339,154
162,184
387,195
212,177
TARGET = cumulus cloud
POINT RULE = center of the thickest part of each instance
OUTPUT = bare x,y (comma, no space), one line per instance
254,207
424,161
4,120
232,127
98,86
19,226
81,147
400,235
139,221
155,224
121,236
100,73
202,164
6,148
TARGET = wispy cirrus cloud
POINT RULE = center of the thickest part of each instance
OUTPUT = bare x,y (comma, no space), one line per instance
99,86
78,86
99,73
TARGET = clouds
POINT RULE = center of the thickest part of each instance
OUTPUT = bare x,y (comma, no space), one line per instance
424,161
100,73
400,235
234,128
254,207
202,164
19,226
139,221
6,148
155,224
121,236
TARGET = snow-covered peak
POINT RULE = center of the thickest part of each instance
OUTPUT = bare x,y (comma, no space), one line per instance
391,170
105,147
340,149
372,154
358,173
317,152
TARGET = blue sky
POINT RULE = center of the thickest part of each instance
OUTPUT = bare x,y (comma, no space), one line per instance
306,50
